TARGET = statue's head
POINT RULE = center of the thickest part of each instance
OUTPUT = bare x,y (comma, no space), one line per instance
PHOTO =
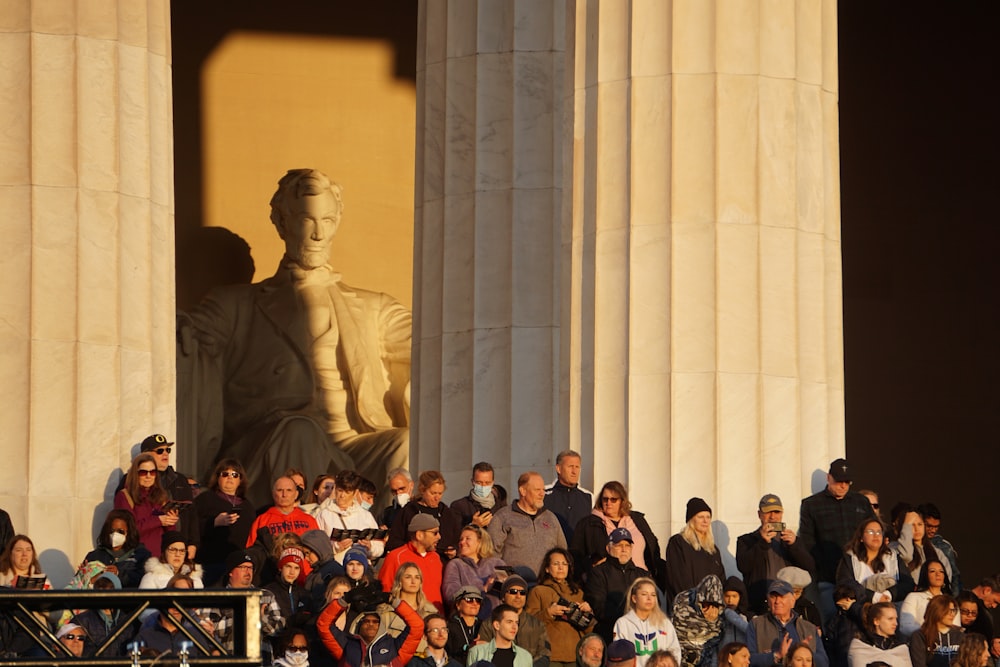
306,210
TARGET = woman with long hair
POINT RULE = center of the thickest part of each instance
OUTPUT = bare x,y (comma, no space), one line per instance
869,567
552,602
145,498
936,643
118,549
430,489
879,642
476,565
322,488
644,623
933,581
612,509
691,553
974,651
409,587
20,559
912,545
224,516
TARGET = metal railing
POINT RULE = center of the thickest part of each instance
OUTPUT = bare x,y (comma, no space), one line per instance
18,606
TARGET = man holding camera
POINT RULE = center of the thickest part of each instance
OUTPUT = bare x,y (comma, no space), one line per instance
760,554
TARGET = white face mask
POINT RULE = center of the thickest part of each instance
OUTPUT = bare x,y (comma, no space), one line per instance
480,491
402,499
117,540
297,657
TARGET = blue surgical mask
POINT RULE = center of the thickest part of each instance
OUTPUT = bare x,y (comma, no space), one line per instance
365,505
480,491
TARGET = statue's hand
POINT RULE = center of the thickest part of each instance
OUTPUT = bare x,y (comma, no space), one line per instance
185,334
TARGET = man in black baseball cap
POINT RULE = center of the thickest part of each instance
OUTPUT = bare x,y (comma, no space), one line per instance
827,521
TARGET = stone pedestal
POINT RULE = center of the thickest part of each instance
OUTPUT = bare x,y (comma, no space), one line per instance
87,221
689,274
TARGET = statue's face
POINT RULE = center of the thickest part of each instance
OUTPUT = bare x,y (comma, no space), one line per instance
308,229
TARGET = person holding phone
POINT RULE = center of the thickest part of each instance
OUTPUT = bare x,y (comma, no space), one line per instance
773,546
224,517
484,498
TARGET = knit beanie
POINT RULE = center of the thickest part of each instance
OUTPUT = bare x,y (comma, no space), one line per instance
694,506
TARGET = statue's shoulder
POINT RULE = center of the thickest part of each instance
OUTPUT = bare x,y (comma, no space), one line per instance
370,297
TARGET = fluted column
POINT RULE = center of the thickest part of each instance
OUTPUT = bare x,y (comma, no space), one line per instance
86,214
488,200
705,350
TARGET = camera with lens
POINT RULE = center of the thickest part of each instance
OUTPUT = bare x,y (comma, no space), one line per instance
575,616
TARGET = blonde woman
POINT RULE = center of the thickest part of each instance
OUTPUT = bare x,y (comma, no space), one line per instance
409,587
645,625
691,553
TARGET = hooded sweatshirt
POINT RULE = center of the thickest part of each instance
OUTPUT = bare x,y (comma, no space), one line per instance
350,650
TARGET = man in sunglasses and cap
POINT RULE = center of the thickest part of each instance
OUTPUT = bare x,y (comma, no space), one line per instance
531,633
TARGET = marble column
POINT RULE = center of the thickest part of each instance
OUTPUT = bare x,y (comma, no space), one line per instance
488,211
86,214
705,327
692,288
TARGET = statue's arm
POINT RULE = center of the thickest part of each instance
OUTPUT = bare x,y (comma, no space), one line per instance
396,335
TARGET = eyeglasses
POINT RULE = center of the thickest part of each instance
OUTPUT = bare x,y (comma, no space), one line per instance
609,499
437,631
951,611
874,533
162,450
517,591
296,649
74,638
968,612
230,473
142,472
176,550
472,600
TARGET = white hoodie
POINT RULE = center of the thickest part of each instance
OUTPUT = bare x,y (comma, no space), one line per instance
648,637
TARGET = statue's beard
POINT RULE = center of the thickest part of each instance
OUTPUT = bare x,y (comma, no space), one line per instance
310,259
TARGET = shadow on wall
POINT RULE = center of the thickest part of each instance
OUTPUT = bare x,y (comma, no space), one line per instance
211,257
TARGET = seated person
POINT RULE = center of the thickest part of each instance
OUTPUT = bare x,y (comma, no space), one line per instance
118,549
100,624
161,633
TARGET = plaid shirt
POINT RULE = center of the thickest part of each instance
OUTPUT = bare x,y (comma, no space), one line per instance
271,620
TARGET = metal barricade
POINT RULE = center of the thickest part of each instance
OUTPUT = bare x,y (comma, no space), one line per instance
18,606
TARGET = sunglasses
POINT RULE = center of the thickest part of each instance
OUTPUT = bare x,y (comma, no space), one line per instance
517,591
472,600
162,450
297,649
609,499
229,473
145,473
74,638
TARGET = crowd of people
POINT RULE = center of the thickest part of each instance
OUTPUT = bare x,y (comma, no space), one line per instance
557,576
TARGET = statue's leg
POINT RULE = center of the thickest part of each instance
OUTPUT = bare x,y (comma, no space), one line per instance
294,442
375,454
